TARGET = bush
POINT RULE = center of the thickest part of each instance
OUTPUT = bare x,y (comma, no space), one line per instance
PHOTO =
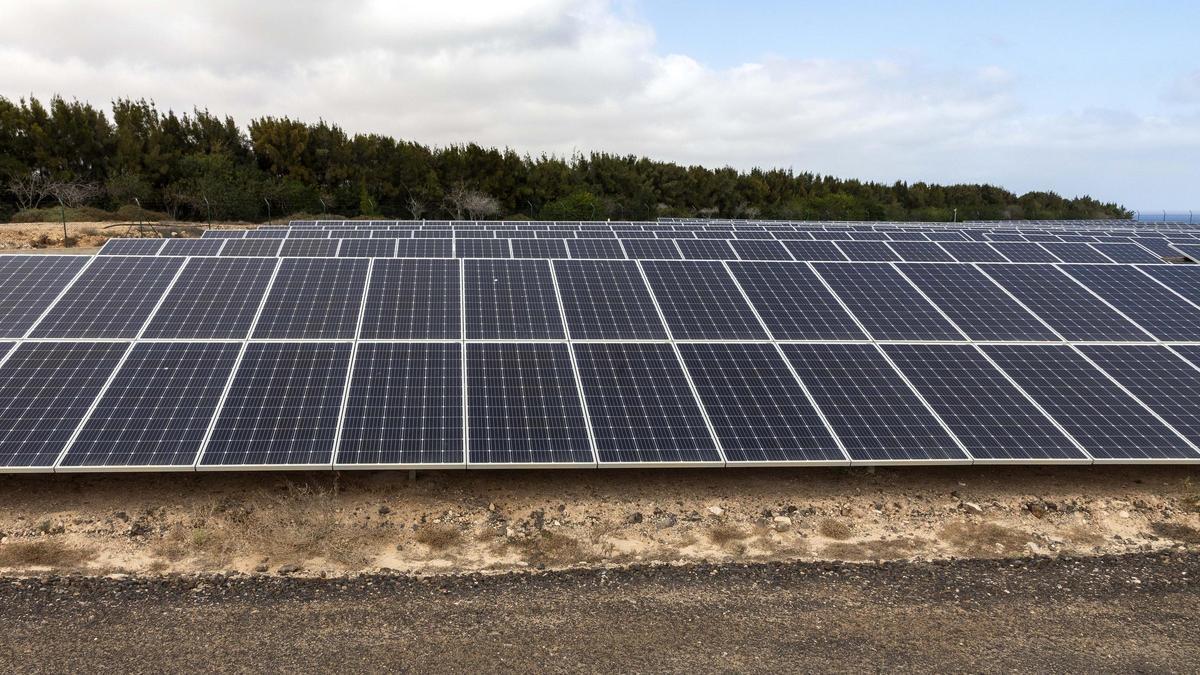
86,214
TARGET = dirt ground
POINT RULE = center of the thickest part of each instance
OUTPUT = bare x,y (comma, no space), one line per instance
23,237
458,522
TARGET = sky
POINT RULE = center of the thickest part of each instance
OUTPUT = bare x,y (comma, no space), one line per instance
1099,97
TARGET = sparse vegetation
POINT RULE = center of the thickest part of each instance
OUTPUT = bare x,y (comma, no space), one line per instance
1177,531
439,537
984,540
834,529
552,548
875,549
50,552
723,535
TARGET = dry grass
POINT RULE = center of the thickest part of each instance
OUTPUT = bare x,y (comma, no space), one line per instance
984,540
724,535
552,548
438,537
875,549
1177,531
834,529
51,553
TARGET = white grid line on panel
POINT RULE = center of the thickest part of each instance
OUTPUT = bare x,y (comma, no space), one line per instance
462,358
887,357
60,295
1017,300
1123,315
212,423
341,420
87,415
933,304
161,299
587,419
1164,285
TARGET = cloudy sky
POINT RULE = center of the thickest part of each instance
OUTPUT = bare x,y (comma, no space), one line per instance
1096,97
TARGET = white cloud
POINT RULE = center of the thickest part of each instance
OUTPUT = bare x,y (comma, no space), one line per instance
564,75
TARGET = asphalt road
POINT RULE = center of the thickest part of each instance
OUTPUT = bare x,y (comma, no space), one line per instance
1126,613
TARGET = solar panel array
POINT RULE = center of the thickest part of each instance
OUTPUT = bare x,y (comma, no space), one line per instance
346,344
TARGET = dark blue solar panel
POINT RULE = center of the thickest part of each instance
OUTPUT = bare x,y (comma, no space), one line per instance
920,251
1075,253
984,410
699,300
595,248
481,248
391,234
1183,279
314,298
1024,252
426,248
308,234
885,303
131,247
651,249
538,248
1166,315
252,247
28,284
282,408
192,247
867,251
524,406
908,236
706,249
367,248
413,299
1127,253
756,406
222,234
112,298
310,248
1068,307
404,406
213,298
945,236
814,250
794,303
263,233
158,407
977,305
511,299
1162,380
641,406
607,299
1190,250
45,390
972,251
870,407
760,249
1103,418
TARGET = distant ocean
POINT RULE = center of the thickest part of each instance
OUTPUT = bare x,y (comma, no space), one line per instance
1174,216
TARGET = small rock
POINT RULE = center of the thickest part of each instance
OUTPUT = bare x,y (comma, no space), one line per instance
538,518
139,529
972,508
384,509
1038,509
783,520
716,510
260,568
492,507
666,520
1123,514
290,568
634,518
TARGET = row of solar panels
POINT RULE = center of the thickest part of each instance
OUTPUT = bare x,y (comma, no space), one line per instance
227,405
1010,225
125,297
661,249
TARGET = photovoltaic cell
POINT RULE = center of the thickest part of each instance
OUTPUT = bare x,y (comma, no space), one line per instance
607,300
425,248
706,249
1166,315
1024,252
886,304
760,249
867,250
45,390
222,234
282,407
984,410
1097,413
158,407
192,247
756,406
538,248
794,303
413,299
595,248
651,249
920,251
481,248
977,305
131,247
213,298
266,234
314,298
367,248
699,300
524,406
1065,305
511,299
1183,279
972,251
252,247
404,406
1159,378
1075,252
28,284
112,298
1127,253
641,407
814,250
870,407
310,248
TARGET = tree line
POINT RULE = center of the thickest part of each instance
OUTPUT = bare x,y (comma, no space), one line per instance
201,165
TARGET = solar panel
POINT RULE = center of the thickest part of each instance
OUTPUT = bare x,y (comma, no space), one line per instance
1069,309
870,407
158,407
192,247
524,406
213,298
607,300
282,407
310,248
252,247
867,251
314,298
222,234
1166,383
651,249
793,302
367,248
425,248
759,249
920,251
131,247
757,408
641,406
706,249
1142,299
885,303
111,299
984,410
481,248
595,248
413,299
1183,279
1024,252
1097,413
511,300
308,234
975,304
814,250
28,284
1076,253
404,406
266,234
1127,253
45,390
538,248
699,300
